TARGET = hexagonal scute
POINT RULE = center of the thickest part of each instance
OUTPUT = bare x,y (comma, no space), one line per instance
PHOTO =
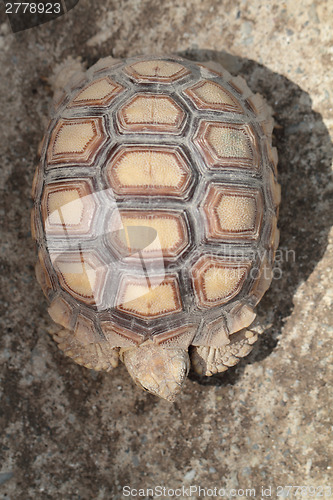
67,208
212,96
149,298
232,212
75,140
227,145
148,234
161,171
97,93
216,280
82,274
157,71
151,113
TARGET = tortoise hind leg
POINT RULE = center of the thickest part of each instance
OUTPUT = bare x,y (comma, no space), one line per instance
207,360
96,356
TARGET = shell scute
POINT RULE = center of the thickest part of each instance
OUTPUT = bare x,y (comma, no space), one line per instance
151,113
162,170
76,140
227,145
98,93
157,71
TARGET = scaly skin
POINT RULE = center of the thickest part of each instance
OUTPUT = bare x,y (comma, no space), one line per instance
159,370
207,360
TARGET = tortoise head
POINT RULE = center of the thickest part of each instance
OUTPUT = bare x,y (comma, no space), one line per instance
159,370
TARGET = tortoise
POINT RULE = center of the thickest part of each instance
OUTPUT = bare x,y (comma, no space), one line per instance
155,216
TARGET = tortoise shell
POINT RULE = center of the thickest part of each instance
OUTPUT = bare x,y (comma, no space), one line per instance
155,211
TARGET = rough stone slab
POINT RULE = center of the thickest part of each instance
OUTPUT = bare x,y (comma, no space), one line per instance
67,432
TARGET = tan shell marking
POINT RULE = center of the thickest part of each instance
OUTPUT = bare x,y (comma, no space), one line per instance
149,298
67,208
162,171
81,274
169,227
151,112
216,280
156,71
227,145
232,212
98,93
210,95
75,140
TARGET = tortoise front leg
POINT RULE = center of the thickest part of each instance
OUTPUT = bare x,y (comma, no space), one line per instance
96,356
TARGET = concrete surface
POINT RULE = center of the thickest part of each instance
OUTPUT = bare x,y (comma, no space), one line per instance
70,433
